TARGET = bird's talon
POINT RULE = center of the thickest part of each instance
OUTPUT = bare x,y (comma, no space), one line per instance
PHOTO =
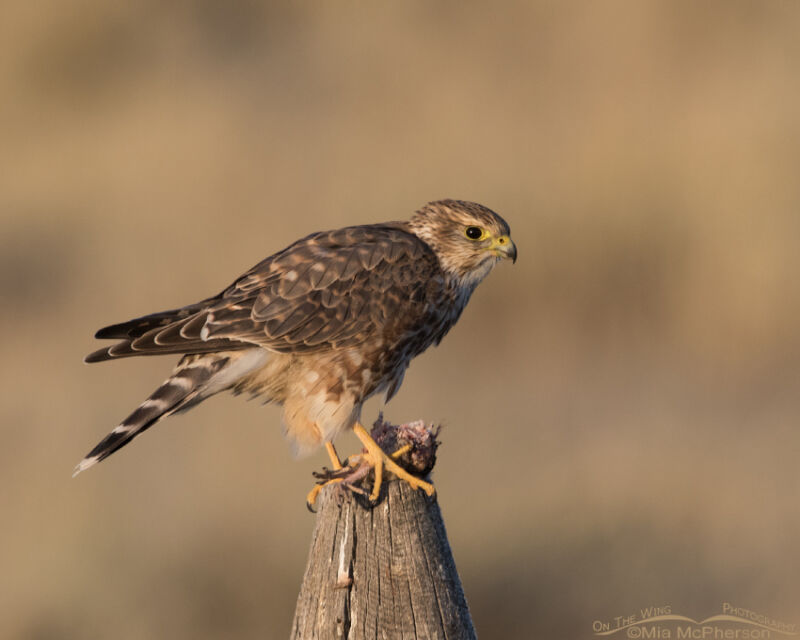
312,496
358,467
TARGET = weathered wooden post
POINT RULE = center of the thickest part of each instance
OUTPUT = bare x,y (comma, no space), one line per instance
384,571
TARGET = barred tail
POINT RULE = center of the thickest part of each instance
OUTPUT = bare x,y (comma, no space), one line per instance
183,389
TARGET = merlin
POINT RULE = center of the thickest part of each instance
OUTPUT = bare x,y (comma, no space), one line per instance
319,327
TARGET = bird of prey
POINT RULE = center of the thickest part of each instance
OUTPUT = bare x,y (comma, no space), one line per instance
319,327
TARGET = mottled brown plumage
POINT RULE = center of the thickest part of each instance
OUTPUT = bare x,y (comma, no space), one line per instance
319,326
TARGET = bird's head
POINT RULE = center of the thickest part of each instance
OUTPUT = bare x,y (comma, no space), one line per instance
468,238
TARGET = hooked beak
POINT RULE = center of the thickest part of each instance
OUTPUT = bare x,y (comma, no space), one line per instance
504,247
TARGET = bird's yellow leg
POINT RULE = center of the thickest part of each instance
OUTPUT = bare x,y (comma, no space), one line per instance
380,458
337,464
311,498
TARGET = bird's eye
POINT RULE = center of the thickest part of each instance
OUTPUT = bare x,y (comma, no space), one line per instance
474,233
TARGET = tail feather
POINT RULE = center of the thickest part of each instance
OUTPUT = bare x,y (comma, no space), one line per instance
184,387
139,326
166,332
125,349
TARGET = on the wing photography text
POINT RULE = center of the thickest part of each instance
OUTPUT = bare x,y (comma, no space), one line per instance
662,623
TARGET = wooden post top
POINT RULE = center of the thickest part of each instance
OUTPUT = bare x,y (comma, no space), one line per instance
381,571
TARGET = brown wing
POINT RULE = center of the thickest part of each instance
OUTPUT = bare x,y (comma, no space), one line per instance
328,290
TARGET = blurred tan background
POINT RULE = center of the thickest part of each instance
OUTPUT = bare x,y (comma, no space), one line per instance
620,407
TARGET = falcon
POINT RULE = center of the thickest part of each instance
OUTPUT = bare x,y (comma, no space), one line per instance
319,327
